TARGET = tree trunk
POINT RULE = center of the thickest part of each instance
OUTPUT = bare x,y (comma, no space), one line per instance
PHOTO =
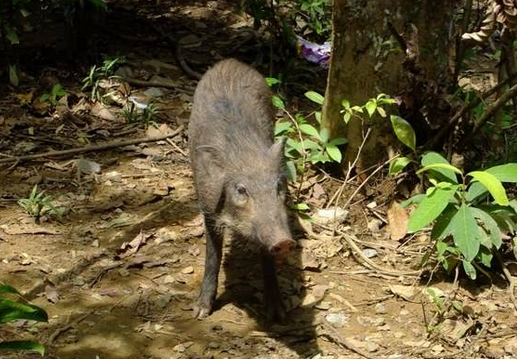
395,47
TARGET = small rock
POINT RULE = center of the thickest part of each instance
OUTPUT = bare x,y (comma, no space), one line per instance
372,205
370,252
168,279
187,270
309,261
374,225
372,346
213,345
437,349
95,243
182,347
113,176
123,272
332,215
336,319
380,308
309,301
323,305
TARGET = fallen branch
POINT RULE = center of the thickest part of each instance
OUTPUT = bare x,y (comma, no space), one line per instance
356,252
92,148
446,129
143,83
67,327
500,102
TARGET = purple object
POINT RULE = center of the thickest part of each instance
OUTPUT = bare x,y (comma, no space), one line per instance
315,53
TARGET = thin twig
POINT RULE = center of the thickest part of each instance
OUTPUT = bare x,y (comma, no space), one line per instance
507,96
355,251
93,148
143,83
467,107
336,337
67,327
349,170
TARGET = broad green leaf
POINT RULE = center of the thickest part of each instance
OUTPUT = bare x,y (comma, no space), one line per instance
272,81
338,141
443,225
291,170
398,165
504,173
485,256
504,220
490,224
324,135
317,115
484,240
404,131
311,145
315,97
13,75
347,117
381,112
370,107
431,158
334,153
310,130
493,185
8,289
277,102
296,145
281,127
10,310
469,269
301,207
345,104
430,208
475,191
441,166
441,247
12,35
415,199
465,232
23,345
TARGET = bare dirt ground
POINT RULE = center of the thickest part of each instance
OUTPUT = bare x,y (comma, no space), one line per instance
119,275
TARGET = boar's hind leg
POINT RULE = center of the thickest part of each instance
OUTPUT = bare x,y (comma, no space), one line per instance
214,244
275,309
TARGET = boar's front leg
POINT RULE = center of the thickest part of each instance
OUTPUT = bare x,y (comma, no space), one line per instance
275,309
214,250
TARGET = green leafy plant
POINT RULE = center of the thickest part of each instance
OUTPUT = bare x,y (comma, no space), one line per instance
140,112
306,143
38,205
468,216
317,13
99,73
54,96
11,310
379,106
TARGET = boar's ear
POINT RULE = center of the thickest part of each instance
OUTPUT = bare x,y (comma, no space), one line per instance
211,155
276,152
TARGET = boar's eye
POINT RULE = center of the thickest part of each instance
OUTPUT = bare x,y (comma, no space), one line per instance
241,194
241,190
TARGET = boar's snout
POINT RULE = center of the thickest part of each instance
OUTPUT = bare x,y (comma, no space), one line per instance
282,247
